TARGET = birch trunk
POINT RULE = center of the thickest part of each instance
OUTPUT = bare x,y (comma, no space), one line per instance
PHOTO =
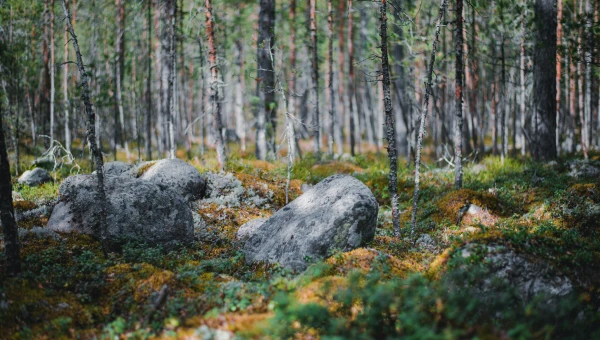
428,85
91,117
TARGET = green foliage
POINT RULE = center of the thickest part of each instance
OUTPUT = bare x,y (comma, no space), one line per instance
418,308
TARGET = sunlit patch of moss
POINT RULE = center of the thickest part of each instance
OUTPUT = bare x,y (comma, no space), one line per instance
24,205
322,291
44,192
335,167
436,267
226,221
450,205
366,260
262,165
242,324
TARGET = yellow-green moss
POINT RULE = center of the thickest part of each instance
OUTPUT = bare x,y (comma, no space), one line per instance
335,167
365,260
450,205
24,205
265,187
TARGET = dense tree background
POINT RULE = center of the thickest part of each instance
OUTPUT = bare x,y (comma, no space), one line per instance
127,45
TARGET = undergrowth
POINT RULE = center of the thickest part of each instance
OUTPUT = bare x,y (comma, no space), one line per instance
392,288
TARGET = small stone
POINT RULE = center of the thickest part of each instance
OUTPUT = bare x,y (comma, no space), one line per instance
426,242
35,177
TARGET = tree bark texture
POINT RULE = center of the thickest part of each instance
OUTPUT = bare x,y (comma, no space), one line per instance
428,85
458,99
544,80
12,247
390,125
265,82
214,87
91,132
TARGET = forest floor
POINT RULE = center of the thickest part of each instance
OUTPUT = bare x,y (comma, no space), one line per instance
419,286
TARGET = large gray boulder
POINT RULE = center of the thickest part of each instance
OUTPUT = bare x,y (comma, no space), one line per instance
115,168
137,210
527,275
35,177
175,174
339,213
249,228
584,168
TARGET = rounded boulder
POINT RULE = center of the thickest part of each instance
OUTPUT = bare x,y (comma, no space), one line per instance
339,213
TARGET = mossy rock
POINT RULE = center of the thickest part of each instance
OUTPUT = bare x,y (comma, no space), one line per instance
451,205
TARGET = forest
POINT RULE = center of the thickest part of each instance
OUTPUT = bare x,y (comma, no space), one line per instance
318,169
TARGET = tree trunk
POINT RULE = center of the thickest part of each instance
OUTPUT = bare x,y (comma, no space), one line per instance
66,103
240,123
119,135
12,248
214,87
428,85
45,83
315,76
588,59
504,102
291,103
149,85
390,127
559,28
202,97
90,126
341,77
330,79
522,76
172,4
265,82
544,80
458,100
52,73
351,80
